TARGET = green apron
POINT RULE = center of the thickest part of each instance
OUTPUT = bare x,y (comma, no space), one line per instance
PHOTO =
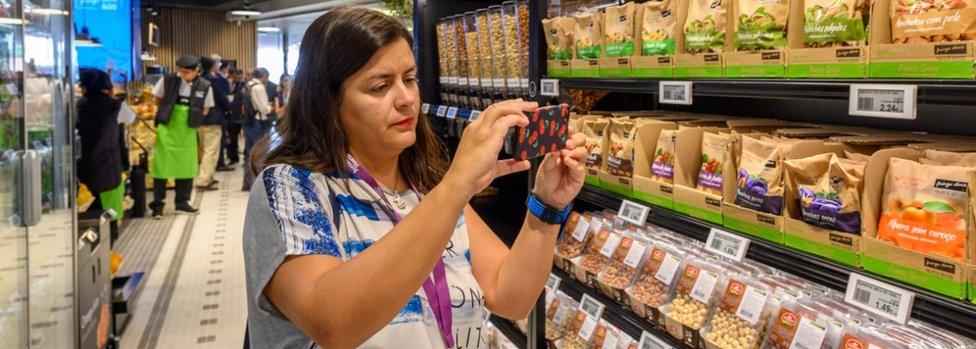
112,199
175,155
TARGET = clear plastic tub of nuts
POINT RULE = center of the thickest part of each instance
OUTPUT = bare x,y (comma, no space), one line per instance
698,288
623,266
581,332
597,256
577,233
742,314
496,34
560,315
797,324
656,281
510,31
484,49
471,46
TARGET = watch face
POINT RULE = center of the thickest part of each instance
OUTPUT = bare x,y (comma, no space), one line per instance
546,132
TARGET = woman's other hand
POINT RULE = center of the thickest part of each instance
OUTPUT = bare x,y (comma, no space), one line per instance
476,162
561,174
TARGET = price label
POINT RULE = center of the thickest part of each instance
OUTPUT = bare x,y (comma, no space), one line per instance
610,245
452,112
443,80
579,233
453,80
549,87
667,270
649,341
610,342
674,92
704,286
425,108
553,283
888,301
512,82
635,254
808,335
475,114
463,81
499,83
525,83
883,101
751,306
589,326
591,306
485,82
633,212
441,110
727,244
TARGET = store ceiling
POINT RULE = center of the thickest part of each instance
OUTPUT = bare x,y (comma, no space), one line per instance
263,5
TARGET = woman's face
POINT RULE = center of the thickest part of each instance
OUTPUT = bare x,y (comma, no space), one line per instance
380,103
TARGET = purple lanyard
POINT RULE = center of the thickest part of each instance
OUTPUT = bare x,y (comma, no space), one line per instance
435,286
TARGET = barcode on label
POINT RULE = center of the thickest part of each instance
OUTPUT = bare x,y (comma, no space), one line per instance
865,103
716,244
674,93
548,89
747,313
862,296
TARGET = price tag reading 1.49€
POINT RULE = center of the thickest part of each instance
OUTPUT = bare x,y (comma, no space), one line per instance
884,101
633,212
674,92
888,301
727,244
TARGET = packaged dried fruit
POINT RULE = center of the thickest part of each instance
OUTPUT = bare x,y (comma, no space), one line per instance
559,37
761,24
618,30
624,264
924,208
917,21
716,147
662,165
594,142
620,155
698,288
827,191
658,22
577,234
560,314
759,181
705,26
828,23
797,325
589,36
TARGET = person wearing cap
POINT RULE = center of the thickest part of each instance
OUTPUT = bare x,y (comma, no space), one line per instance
184,99
211,131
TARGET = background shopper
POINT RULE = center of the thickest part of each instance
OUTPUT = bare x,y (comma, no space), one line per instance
100,166
210,133
328,258
183,99
235,119
260,120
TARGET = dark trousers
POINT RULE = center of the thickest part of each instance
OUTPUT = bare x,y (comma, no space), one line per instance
253,132
230,146
183,189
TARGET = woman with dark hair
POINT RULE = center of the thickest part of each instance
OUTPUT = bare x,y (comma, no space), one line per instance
100,165
357,233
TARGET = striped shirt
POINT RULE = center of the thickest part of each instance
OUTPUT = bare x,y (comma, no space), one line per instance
294,212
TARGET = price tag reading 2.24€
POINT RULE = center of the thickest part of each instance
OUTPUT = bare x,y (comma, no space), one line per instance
633,212
727,244
884,101
888,301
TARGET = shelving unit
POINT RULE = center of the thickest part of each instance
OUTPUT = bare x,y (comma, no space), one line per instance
955,315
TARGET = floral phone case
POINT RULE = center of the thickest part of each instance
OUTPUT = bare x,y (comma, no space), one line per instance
546,132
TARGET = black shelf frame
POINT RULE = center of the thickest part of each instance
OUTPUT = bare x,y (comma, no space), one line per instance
508,328
947,92
616,314
958,316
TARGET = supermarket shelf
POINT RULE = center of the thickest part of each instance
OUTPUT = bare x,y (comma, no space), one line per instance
952,92
616,314
955,315
508,328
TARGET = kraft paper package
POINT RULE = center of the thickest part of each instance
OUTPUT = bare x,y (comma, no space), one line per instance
705,26
828,23
559,37
620,152
618,30
759,181
828,190
924,208
658,25
715,149
915,21
761,24
941,157
589,36
594,142
662,165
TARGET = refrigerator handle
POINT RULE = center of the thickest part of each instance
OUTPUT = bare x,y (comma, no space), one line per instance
30,208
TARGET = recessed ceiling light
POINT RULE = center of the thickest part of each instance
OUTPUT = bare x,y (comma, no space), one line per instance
48,11
245,13
269,29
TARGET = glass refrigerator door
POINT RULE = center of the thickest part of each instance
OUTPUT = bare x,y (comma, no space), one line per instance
13,236
49,132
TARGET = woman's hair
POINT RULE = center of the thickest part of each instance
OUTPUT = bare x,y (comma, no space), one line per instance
94,81
336,46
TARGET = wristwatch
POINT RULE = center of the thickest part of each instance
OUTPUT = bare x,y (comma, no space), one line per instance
545,213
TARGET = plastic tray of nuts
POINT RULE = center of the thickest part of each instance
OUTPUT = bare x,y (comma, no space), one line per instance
742,314
697,290
655,284
622,269
576,235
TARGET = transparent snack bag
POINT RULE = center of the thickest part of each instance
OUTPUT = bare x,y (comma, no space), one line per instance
742,314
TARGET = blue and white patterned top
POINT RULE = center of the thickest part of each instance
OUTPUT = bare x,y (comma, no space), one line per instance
290,213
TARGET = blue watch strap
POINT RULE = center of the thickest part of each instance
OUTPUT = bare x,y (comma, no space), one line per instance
546,213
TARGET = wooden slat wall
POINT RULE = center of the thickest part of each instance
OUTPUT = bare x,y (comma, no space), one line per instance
201,32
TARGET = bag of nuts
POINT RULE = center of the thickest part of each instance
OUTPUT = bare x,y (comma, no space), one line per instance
761,24
662,166
597,255
828,192
657,27
606,336
620,152
828,23
920,21
705,26
581,333
657,278
594,142
716,147
742,315
577,234
589,36
697,290
759,181
559,37
627,259
560,315
618,30
795,320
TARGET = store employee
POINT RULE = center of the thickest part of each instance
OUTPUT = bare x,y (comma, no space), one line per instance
183,99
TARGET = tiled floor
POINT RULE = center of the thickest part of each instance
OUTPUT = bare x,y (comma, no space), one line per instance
194,293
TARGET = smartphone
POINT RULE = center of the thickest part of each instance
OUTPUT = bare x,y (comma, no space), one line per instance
546,132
